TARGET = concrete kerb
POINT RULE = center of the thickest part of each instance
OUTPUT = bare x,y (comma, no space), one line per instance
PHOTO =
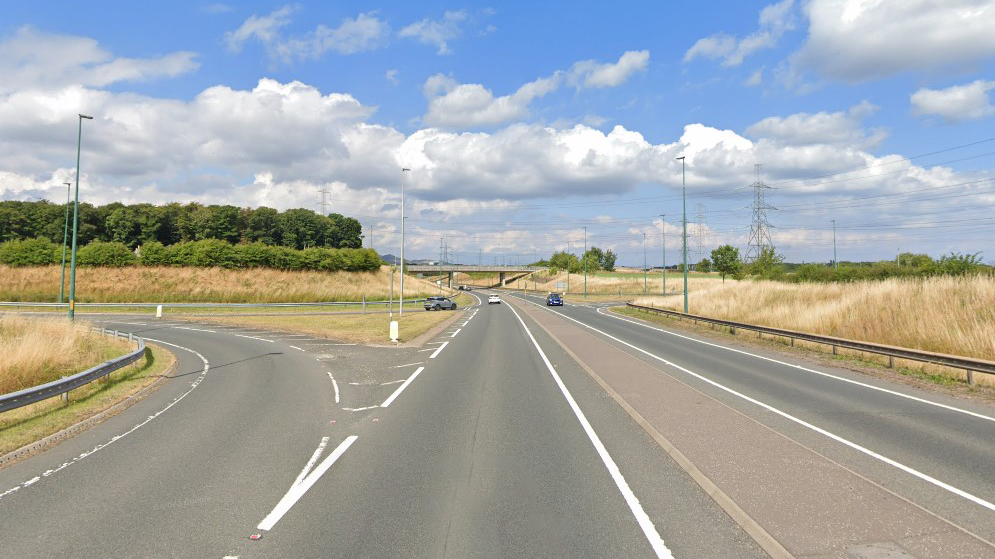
31,449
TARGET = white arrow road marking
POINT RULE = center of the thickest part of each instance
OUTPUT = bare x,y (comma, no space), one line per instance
299,489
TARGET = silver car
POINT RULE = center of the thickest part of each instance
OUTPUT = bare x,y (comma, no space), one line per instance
439,303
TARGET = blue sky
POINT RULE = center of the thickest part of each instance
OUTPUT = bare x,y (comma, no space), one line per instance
523,122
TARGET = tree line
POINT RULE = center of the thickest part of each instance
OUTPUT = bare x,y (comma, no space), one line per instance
595,258
769,264
204,253
135,225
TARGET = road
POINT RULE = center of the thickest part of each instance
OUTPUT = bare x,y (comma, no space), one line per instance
516,431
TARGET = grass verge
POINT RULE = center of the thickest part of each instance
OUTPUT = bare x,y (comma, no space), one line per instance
357,328
23,426
924,373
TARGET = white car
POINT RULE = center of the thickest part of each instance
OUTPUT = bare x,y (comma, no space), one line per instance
493,299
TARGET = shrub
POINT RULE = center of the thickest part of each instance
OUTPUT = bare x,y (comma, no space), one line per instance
209,253
107,255
154,254
255,255
30,252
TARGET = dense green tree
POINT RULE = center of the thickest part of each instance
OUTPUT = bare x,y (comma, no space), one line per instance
725,260
346,232
262,224
704,266
607,260
123,227
301,228
767,265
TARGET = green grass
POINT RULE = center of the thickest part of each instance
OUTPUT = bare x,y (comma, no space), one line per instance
23,426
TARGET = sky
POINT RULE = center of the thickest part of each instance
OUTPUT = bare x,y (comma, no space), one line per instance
526,126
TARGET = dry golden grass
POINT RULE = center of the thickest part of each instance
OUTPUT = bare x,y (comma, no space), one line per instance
953,315
23,426
215,285
34,352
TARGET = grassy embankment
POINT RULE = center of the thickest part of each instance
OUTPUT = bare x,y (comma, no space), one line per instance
214,285
33,352
952,315
206,285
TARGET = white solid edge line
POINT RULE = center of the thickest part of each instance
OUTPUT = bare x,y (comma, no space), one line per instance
441,347
334,385
194,329
911,471
253,338
297,491
310,463
200,378
456,332
806,369
401,388
649,530
406,365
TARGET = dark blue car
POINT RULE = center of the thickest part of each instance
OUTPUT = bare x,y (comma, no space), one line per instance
554,299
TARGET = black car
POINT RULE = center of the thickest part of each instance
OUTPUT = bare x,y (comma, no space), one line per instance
439,303
554,299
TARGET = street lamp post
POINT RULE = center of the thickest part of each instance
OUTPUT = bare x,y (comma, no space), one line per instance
585,262
65,242
684,203
836,263
400,310
72,262
663,231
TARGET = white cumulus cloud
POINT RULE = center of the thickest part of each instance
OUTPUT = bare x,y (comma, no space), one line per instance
774,21
859,40
837,128
455,105
589,73
33,59
437,32
364,32
959,102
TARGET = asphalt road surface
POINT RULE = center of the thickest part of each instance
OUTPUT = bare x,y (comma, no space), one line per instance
516,431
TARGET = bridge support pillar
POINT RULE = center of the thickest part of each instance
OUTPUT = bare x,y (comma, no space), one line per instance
501,277
452,275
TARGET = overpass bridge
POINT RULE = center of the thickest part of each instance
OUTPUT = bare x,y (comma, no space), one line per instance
452,269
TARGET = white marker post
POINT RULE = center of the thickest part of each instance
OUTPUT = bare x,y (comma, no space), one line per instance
393,330
158,311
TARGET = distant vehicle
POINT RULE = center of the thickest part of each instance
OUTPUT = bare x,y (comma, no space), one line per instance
439,303
493,299
554,299
464,288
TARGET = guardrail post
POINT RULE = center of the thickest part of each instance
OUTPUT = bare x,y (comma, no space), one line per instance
891,361
834,350
364,303
970,377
